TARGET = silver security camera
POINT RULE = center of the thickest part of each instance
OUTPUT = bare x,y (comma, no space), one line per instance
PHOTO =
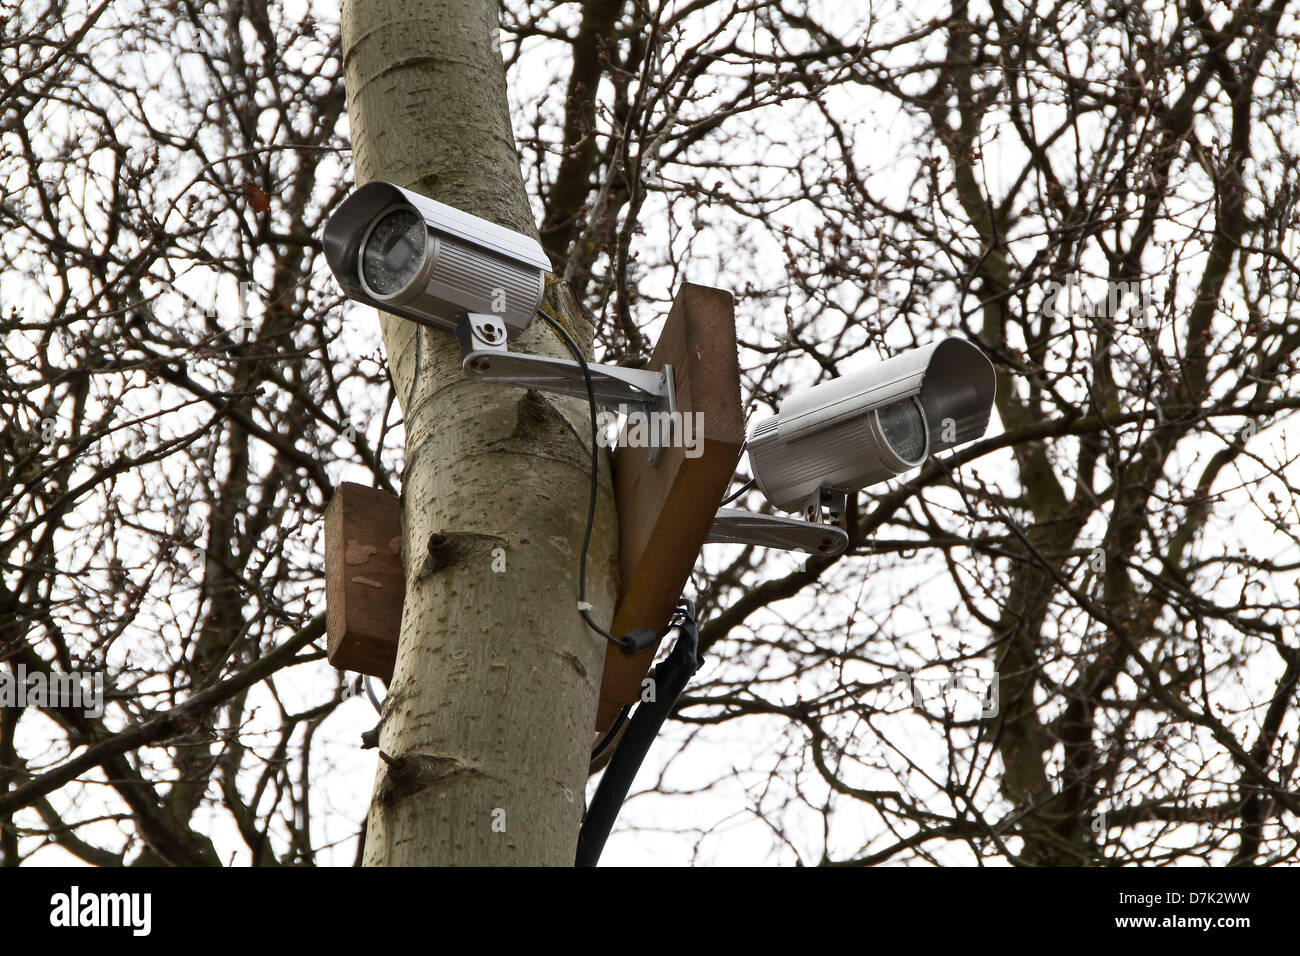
410,255
871,425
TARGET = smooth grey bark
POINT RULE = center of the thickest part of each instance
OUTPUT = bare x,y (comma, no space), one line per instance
488,722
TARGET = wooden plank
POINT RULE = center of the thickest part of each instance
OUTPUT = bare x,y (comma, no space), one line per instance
364,583
664,513
665,510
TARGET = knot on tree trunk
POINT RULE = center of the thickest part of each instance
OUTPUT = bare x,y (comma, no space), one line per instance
540,428
452,547
412,773
534,411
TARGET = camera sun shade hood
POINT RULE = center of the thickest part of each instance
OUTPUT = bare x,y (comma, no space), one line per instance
825,437
952,378
470,261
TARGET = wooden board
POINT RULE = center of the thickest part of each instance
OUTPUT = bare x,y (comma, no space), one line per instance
664,513
364,583
665,510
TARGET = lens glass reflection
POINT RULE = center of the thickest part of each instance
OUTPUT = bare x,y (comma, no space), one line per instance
903,426
393,252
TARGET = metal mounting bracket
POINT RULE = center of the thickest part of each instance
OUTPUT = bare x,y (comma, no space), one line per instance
486,359
829,503
734,526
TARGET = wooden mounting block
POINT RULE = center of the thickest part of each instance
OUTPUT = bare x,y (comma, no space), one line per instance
664,513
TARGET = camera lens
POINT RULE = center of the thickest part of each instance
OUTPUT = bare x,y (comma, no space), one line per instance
903,426
393,252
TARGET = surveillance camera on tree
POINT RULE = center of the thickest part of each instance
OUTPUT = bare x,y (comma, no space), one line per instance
424,260
833,439
873,424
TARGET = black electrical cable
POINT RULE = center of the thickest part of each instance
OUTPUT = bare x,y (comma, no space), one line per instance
635,642
737,493
670,679
612,732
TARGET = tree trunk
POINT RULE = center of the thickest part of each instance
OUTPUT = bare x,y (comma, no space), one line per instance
488,723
